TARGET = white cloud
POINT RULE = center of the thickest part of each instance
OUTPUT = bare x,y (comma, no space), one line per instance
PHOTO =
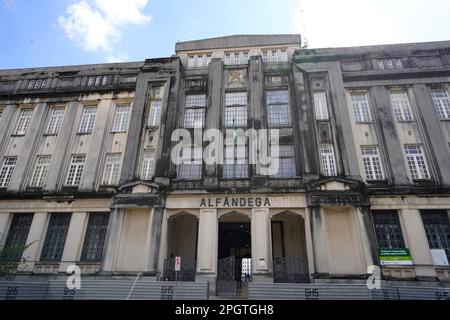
96,25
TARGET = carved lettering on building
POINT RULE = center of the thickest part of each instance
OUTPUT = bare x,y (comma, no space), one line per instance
234,202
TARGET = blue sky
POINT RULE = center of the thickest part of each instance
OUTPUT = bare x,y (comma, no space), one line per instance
65,32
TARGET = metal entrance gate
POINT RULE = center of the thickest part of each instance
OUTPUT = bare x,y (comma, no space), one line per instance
290,270
233,276
186,274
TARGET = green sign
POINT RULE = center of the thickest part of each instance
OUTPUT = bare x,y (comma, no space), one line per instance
395,257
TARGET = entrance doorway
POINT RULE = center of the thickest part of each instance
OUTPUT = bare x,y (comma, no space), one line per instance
235,261
290,264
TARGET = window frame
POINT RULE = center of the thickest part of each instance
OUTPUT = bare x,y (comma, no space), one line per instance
369,161
148,164
24,121
40,172
233,108
361,108
328,165
122,124
393,229
401,111
111,170
78,167
441,104
55,121
321,109
414,158
192,106
277,104
87,119
7,171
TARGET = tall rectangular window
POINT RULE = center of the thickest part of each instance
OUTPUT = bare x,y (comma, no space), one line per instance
320,105
328,160
7,170
227,58
246,58
237,59
94,240
235,163
56,237
278,108
121,118
372,163
265,57
361,109
208,59
200,61
40,171
112,169
286,161
283,56
388,229
194,114
148,165
441,103
154,117
274,56
24,121
191,61
75,170
236,109
191,169
402,108
56,119
437,229
17,237
417,164
87,120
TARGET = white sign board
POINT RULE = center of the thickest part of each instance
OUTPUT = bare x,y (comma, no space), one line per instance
439,257
177,263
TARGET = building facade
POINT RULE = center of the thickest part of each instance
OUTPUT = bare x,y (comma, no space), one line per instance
87,176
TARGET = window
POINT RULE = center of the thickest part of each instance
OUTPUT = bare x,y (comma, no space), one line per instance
265,57
208,59
389,64
437,228
1,114
24,121
191,62
94,240
148,165
361,108
398,63
416,162
97,81
235,165
402,109
191,169
278,108
372,163
55,121
328,160
112,169
381,64
236,109
246,57
283,56
154,117
227,58
56,237
387,229
37,84
286,161
194,115
274,56
7,170
237,59
17,237
87,120
75,170
40,171
121,118
320,105
199,61
442,103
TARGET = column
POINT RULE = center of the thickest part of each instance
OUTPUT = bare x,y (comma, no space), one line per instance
113,239
155,228
367,237
74,240
320,240
35,241
416,240
261,245
207,242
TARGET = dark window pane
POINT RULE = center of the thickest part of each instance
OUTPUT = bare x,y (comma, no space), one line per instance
94,240
388,229
56,237
17,237
437,228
